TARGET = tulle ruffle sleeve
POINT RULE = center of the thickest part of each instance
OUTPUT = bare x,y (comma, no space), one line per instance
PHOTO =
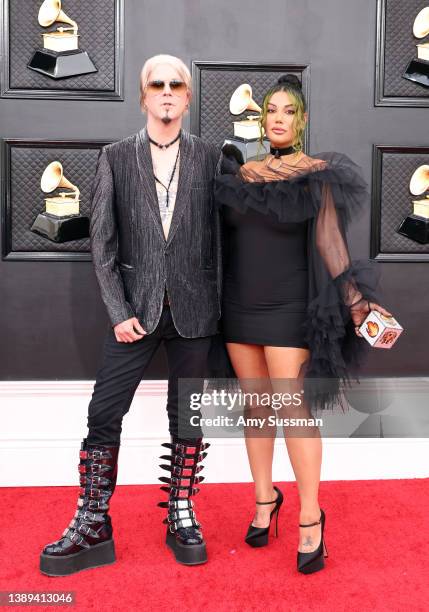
327,190
298,195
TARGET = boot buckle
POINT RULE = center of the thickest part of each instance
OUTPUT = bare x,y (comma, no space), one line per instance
78,539
94,493
183,449
180,482
86,530
175,492
96,505
99,454
94,468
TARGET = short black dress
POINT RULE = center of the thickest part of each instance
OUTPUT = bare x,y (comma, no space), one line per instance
288,279
265,293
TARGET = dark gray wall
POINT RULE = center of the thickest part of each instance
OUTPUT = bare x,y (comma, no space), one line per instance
52,320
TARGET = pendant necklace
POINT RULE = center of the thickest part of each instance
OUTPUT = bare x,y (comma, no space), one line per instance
167,189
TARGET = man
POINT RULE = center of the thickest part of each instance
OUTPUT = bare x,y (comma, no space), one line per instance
155,241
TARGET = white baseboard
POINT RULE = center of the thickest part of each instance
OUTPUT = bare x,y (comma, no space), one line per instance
45,421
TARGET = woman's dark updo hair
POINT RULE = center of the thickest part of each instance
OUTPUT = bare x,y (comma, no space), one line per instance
292,79
291,84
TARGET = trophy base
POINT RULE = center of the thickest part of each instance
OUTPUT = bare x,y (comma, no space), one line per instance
61,64
250,148
415,228
61,229
418,71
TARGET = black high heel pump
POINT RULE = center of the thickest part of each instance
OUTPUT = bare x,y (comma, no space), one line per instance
258,536
313,561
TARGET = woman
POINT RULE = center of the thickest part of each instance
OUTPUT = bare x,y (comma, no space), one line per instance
292,299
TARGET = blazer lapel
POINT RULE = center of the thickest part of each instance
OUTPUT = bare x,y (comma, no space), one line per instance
186,170
144,162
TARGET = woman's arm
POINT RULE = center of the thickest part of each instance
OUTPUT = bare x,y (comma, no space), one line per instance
331,243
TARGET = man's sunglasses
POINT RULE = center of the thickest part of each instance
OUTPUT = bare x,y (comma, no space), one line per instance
177,87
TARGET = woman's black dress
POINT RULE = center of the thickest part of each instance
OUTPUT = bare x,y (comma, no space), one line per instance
265,290
288,277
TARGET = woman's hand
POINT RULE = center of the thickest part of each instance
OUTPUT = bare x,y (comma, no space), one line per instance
360,309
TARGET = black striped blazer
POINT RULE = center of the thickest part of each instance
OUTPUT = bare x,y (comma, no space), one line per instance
133,261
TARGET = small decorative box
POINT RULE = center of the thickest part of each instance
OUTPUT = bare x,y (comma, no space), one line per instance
380,331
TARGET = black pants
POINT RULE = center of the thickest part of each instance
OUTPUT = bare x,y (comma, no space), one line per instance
123,365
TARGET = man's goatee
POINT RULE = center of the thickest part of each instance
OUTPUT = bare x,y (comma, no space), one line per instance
166,119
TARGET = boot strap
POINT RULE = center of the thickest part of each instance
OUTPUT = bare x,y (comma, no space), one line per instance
96,480
179,470
72,534
184,461
183,493
177,504
181,482
177,515
187,522
95,493
86,530
93,468
78,539
94,504
89,517
186,449
95,453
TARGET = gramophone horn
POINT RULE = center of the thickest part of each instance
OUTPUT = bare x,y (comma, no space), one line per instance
53,177
50,12
420,180
241,100
421,23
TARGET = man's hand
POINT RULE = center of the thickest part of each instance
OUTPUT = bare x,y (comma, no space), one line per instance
360,310
129,330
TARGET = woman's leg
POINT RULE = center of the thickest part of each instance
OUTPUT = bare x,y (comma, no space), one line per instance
249,364
305,453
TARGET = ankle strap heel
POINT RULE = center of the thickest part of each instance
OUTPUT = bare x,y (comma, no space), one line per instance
258,536
308,563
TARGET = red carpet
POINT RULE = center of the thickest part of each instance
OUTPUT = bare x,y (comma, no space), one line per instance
376,533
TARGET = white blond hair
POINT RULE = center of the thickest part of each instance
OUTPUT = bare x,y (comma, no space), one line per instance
157,60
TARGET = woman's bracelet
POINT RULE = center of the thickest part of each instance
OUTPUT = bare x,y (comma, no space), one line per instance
360,300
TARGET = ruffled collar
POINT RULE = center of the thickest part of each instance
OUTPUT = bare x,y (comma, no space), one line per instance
273,169
297,197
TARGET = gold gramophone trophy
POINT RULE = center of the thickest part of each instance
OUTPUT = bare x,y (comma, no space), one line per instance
61,220
60,56
418,69
246,132
416,225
